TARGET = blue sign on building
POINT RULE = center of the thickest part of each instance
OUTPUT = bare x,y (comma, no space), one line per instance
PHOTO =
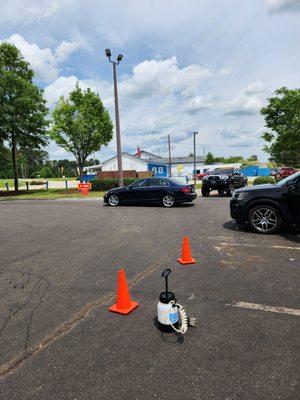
159,169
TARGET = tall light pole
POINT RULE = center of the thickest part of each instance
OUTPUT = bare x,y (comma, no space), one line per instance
118,134
195,133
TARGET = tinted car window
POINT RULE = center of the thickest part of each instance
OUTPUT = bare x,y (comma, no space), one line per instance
163,183
140,183
153,182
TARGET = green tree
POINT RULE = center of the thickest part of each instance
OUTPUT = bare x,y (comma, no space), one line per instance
282,118
81,124
31,161
253,158
22,107
49,170
234,159
209,158
219,159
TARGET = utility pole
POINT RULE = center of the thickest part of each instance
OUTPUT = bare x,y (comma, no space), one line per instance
170,163
118,134
195,133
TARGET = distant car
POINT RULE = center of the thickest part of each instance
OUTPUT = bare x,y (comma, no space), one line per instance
274,171
267,207
151,190
224,180
284,172
201,175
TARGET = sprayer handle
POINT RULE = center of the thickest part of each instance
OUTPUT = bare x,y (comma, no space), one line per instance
166,272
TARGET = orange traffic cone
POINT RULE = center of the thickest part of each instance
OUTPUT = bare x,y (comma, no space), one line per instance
186,256
124,304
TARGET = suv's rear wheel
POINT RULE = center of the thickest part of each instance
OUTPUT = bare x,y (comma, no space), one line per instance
265,219
205,191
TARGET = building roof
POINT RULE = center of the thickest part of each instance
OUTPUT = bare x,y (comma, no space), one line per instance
157,161
146,155
184,160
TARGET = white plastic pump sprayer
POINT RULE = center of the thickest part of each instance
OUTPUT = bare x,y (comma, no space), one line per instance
169,311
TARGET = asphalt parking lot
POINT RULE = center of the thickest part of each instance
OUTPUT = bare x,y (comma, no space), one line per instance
58,270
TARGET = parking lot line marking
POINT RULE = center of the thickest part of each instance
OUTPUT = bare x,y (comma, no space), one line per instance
254,245
262,307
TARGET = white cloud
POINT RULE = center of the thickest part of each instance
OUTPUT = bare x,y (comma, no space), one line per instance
27,11
243,105
65,49
246,102
60,87
225,71
201,103
110,35
255,87
42,61
162,78
276,6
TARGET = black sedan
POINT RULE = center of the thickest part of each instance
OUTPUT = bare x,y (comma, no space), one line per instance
151,190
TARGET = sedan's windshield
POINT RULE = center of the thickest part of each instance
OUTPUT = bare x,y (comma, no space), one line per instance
289,178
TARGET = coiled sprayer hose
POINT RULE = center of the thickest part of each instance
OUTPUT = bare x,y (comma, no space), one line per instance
184,320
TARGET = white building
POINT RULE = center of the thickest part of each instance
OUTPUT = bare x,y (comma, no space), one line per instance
129,163
146,161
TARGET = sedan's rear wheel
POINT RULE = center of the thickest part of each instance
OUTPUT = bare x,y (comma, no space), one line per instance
265,219
113,200
168,200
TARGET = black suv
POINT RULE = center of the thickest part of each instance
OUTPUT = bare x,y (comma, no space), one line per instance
267,207
223,180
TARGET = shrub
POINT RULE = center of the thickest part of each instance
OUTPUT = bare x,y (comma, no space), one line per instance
106,184
263,179
36,182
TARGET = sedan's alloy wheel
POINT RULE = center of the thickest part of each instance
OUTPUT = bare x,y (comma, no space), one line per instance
113,200
264,220
168,200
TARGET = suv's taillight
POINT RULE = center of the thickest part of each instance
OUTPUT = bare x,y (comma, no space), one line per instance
187,189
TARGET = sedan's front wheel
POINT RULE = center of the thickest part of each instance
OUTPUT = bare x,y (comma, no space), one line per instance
168,200
113,200
265,219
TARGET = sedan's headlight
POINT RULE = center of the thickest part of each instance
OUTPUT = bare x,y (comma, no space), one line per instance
240,195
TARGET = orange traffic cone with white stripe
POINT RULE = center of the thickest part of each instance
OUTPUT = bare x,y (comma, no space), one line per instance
186,256
123,302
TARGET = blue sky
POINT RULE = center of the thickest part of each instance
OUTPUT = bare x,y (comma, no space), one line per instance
197,65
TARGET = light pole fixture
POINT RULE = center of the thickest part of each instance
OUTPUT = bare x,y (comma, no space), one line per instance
118,133
195,133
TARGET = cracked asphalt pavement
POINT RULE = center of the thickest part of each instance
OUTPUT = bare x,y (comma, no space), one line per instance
58,270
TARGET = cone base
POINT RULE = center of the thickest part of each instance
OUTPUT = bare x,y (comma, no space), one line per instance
185,262
124,311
